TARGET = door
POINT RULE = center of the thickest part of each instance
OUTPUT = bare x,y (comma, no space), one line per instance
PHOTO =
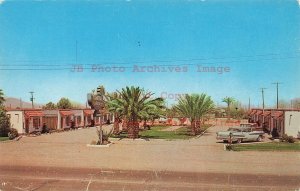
27,126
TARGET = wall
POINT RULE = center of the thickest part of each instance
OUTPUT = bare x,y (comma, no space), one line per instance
292,123
17,120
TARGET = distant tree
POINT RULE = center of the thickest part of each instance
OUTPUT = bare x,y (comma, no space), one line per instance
172,112
50,105
282,104
4,123
4,119
228,101
295,103
1,97
64,103
77,105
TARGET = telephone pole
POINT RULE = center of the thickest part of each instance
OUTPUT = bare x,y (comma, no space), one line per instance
249,104
31,99
21,103
277,84
263,98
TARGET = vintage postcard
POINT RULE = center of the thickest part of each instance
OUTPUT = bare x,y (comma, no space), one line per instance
149,95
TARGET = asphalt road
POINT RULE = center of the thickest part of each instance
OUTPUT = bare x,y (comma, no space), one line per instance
41,178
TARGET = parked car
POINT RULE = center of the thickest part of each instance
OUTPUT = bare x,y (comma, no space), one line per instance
240,134
253,125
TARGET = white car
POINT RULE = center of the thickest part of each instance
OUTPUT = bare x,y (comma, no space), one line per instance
240,134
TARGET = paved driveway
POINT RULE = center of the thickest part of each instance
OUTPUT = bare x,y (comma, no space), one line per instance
68,149
61,161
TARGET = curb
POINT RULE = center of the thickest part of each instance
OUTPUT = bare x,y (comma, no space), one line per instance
98,146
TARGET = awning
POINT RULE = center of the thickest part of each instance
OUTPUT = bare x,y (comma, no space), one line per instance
33,113
88,112
66,113
259,112
266,113
277,114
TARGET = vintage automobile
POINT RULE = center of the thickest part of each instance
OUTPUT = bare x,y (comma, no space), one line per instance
240,134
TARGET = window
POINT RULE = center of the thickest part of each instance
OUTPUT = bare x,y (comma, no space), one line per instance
36,123
8,115
68,119
79,119
17,116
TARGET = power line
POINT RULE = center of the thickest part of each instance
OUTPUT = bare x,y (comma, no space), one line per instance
156,61
133,63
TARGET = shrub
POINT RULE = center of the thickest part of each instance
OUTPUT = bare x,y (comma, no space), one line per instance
286,138
4,123
229,147
13,133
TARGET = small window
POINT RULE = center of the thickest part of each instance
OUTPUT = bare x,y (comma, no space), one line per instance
18,117
8,115
36,123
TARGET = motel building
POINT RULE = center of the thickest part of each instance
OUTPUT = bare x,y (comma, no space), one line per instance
286,121
32,120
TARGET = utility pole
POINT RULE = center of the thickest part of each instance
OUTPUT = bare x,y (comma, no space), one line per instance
263,98
21,103
249,104
277,83
31,99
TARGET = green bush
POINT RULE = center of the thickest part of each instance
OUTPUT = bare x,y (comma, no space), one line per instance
13,133
4,123
286,138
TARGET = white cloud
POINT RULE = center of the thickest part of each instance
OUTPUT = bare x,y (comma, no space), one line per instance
298,2
1,1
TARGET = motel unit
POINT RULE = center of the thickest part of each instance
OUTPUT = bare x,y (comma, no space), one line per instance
32,120
286,121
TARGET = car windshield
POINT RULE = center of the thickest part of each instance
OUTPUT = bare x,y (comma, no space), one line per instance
234,129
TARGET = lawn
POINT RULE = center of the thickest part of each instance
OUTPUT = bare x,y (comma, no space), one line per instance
268,147
156,133
4,138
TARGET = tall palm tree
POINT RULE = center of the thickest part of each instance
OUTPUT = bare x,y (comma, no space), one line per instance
228,101
132,105
1,97
194,107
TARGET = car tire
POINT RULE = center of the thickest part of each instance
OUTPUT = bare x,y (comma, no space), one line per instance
239,141
259,139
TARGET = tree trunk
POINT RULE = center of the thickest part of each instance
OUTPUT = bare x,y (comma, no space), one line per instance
116,126
133,129
193,124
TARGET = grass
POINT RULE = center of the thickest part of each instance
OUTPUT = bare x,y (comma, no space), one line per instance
4,138
157,133
268,147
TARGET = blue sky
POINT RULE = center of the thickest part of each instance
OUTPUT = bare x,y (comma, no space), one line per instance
258,40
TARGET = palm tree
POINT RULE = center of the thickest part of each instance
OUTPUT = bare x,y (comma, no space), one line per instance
1,97
194,107
228,101
153,109
133,105
113,107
